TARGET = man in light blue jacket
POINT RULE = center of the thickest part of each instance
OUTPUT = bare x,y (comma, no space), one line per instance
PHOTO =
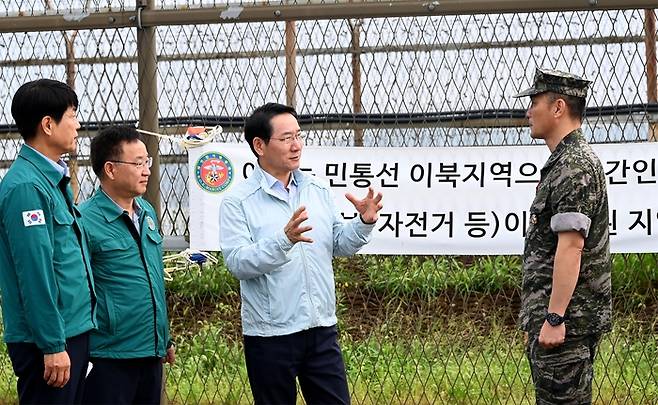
279,232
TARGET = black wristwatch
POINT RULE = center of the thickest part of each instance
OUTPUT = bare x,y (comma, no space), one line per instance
554,319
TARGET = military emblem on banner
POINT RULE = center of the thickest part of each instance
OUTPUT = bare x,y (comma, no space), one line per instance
213,172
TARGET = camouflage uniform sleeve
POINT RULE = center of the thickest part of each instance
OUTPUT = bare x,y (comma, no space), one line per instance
573,200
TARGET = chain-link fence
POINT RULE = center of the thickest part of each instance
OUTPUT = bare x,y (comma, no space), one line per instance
429,329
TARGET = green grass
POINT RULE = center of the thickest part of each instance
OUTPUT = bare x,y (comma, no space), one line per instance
210,370
207,282
633,275
453,362
443,367
466,354
7,378
427,277
634,280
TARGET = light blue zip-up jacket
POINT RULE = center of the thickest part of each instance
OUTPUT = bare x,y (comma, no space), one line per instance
285,288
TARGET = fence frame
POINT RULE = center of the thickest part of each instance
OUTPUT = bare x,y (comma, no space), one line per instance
146,17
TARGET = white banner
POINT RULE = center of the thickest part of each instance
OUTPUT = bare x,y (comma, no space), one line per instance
452,200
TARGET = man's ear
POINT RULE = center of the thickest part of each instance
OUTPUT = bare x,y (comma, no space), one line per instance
47,124
108,171
559,108
259,145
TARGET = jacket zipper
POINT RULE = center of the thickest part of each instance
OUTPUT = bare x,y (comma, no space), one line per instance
81,243
137,238
306,275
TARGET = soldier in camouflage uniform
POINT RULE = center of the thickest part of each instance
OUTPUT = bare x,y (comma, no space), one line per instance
566,298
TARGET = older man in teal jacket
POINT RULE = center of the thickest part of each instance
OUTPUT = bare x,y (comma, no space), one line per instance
45,277
132,338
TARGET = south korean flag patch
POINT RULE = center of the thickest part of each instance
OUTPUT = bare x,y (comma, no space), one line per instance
33,218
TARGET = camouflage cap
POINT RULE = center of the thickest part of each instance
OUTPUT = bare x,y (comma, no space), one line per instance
557,82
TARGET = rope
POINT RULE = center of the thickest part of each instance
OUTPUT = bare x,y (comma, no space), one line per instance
193,138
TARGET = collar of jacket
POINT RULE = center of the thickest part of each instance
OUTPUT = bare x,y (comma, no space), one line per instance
111,211
41,164
574,137
259,176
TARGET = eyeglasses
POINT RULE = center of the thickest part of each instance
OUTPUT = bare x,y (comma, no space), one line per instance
288,139
140,165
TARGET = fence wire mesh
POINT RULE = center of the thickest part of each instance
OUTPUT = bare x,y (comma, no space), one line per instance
416,329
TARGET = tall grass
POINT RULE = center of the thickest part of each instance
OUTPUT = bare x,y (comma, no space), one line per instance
456,356
428,276
433,369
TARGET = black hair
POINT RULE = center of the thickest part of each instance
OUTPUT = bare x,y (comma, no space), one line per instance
258,123
576,104
107,145
40,98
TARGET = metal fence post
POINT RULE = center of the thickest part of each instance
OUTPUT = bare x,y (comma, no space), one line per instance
291,63
652,74
355,26
71,71
147,83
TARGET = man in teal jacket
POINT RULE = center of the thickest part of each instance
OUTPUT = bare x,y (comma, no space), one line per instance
45,277
132,338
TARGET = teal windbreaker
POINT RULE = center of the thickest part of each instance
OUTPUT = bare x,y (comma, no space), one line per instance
45,277
129,277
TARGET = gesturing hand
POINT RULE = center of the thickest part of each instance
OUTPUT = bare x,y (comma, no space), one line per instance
294,229
369,207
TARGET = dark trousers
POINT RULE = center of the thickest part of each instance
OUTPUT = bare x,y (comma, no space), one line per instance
312,355
27,360
563,374
124,381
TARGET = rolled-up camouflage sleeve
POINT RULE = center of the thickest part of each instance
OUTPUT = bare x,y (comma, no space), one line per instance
574,197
